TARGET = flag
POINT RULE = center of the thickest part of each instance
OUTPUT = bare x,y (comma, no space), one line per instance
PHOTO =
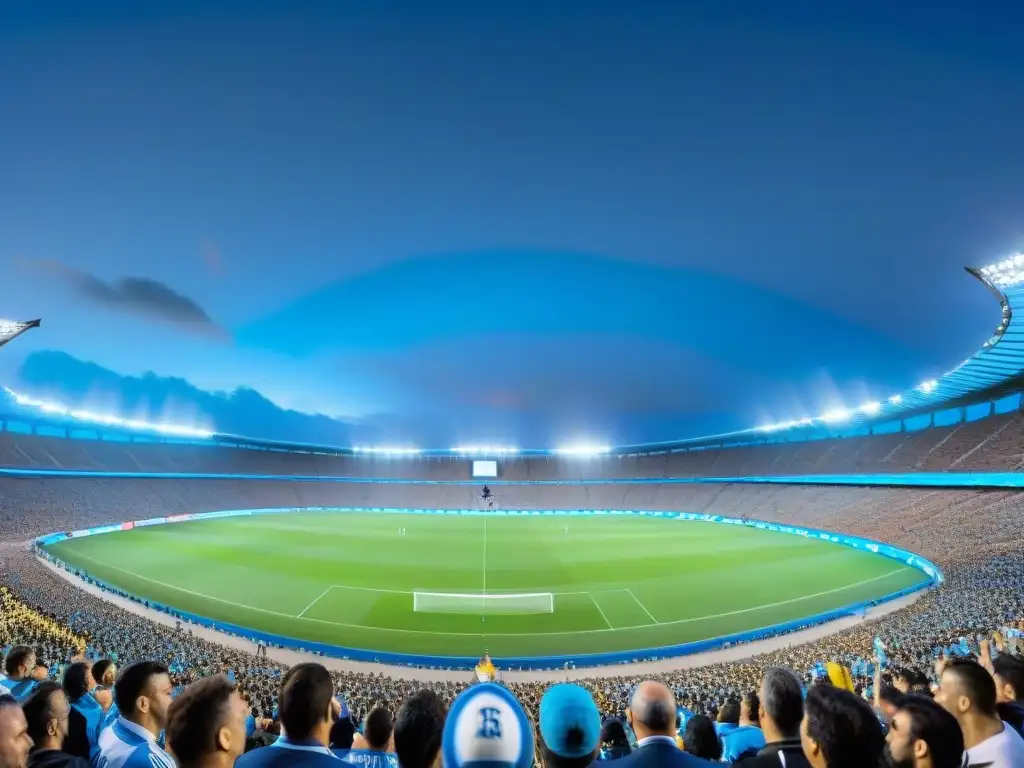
840,676
879,647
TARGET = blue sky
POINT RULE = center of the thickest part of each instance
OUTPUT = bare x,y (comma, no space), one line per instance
523,222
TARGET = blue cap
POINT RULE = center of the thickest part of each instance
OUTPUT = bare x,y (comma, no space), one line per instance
487,728
570,724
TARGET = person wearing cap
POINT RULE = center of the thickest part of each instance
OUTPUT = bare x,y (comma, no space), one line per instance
306,708
487,725
570,727
652,716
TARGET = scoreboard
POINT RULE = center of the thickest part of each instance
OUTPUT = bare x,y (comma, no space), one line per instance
487,469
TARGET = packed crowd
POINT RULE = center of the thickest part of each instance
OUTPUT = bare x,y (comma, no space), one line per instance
143,722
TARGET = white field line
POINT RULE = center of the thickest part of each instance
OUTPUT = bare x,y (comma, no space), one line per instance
600,611
483,589
315,601
396,630
642,606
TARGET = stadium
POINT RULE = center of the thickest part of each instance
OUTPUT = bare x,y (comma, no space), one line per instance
511,385
892,529
580,555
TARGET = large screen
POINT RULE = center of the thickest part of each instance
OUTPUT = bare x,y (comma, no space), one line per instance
485,469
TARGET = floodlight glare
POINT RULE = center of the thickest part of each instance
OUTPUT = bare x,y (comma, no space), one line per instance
386,450
484,449
928,386
1006,273
871,408
582,450
896,399
835,415
107,419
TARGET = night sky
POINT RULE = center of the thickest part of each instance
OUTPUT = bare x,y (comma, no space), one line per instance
526,223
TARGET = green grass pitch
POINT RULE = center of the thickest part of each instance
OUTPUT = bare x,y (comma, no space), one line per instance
620,583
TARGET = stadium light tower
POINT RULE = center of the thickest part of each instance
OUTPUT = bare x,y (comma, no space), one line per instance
12,329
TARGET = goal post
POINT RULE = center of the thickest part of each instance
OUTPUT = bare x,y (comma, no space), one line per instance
483,604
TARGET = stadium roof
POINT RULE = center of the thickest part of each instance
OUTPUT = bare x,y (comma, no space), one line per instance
995,370
11,329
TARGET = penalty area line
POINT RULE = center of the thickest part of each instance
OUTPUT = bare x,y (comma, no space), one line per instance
599,611
316,600
642,606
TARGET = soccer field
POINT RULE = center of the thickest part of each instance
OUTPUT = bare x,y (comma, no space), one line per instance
619,583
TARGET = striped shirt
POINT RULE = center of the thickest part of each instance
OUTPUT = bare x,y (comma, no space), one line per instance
128,745
19,689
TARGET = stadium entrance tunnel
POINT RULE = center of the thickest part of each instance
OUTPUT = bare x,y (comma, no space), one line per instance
534,589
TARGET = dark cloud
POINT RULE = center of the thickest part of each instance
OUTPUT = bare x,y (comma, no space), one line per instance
139,295
61,377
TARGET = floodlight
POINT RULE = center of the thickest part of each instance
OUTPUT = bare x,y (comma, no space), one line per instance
1005,273
871,408
928,386
896,399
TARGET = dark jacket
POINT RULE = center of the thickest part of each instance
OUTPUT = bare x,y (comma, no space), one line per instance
769,756
660,754
54,758
1012,713
85,721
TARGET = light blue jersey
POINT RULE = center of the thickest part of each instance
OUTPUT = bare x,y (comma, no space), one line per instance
368,758
128,745
20,689
92,714
741,740
111,716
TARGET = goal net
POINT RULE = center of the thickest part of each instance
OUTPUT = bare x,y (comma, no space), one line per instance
448,602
